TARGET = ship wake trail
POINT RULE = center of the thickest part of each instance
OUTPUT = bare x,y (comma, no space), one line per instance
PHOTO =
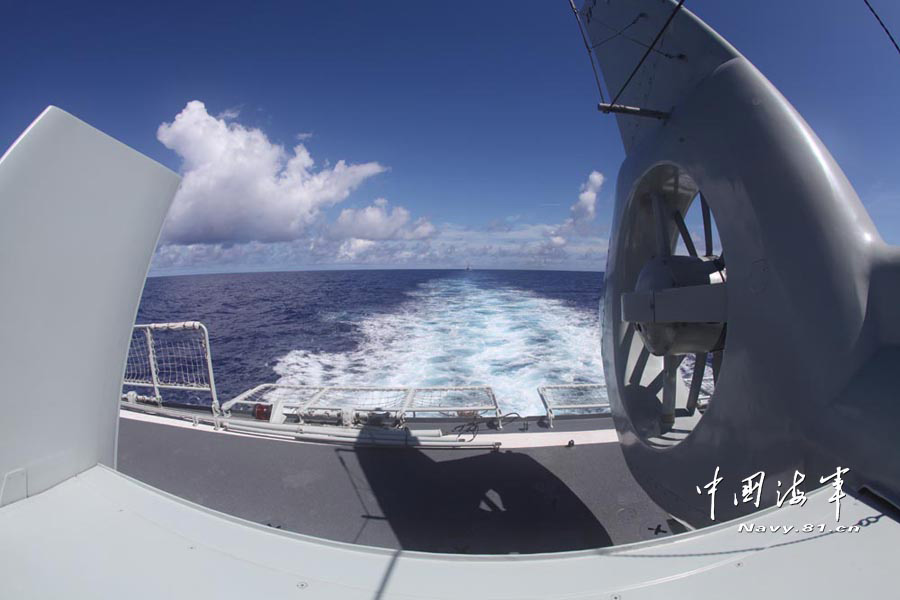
455,332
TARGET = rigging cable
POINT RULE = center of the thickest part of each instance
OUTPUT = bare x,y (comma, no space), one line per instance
647,53
587,46
883,26
620,33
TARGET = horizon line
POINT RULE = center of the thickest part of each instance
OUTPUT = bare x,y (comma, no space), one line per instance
316,270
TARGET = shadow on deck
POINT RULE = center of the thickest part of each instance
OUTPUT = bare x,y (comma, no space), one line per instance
492,503
461,501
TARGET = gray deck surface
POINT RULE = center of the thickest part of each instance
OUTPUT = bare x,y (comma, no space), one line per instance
462,501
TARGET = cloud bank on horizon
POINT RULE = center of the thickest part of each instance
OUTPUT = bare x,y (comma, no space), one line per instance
247,203
240,187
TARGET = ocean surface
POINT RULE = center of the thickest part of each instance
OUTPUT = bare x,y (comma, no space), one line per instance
511,330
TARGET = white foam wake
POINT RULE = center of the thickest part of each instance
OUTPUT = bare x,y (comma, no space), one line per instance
454,332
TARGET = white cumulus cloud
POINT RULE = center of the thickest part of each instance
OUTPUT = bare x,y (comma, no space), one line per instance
377,222
353,248
246,203
586,208
238,186
584,211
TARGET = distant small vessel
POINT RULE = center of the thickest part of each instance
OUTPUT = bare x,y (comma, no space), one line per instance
468,267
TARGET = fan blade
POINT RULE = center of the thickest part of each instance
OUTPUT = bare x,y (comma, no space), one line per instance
696,381
707,226
662,227
685,235
670,370
637,373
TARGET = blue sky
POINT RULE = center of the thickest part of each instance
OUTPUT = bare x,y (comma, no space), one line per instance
433,134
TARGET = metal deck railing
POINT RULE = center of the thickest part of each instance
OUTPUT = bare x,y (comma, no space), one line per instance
346,405
169,356
580,399
176,357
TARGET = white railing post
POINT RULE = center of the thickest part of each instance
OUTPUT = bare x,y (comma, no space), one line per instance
209,369
407,401
549,411
497,410
151,357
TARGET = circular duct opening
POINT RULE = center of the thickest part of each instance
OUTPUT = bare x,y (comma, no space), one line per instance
673,327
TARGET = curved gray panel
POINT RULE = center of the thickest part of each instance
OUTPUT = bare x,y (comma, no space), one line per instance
81,213
802,327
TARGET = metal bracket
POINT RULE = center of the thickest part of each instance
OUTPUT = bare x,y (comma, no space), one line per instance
633,111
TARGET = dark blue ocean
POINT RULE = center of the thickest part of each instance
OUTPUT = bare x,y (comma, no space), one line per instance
512,330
